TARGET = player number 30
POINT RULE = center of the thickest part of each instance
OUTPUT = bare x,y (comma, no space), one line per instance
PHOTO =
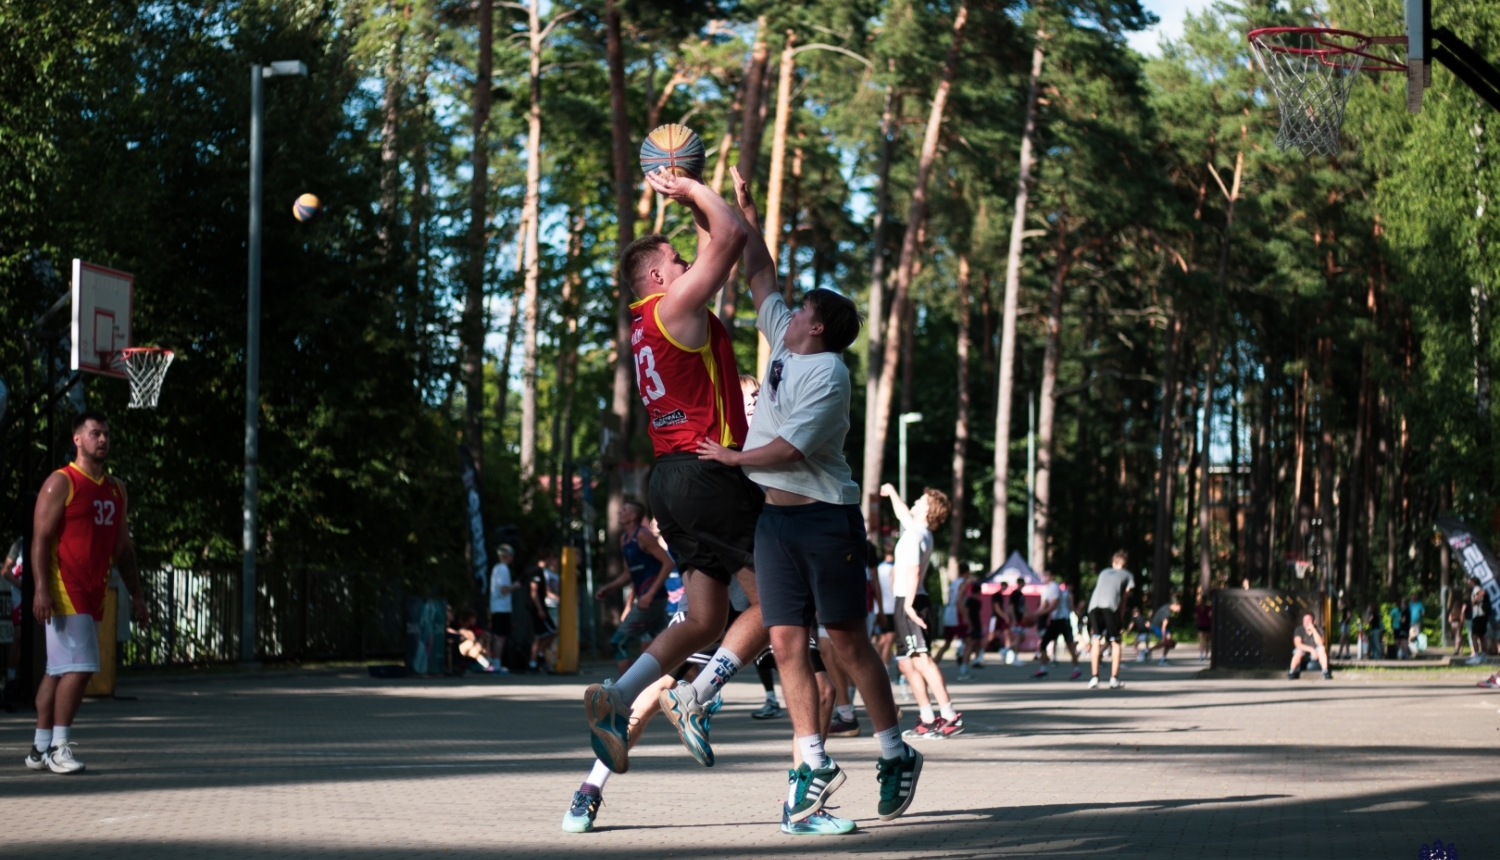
104,513
646,378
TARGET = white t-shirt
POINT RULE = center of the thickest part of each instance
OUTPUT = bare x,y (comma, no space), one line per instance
804,399
1064,608
913,549
499,577
886,571
950,609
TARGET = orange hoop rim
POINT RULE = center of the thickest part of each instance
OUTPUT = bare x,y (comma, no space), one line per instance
1328,50
131,351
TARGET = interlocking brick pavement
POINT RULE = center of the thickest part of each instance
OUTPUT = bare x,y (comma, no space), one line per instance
286,764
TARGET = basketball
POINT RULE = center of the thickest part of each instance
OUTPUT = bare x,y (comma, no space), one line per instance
676,149
307,208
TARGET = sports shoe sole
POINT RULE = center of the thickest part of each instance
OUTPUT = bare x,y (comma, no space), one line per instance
817,806
36,764
607,746
916,773
704,754
847,733
790,830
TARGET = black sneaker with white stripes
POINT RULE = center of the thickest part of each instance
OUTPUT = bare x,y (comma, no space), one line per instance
815,785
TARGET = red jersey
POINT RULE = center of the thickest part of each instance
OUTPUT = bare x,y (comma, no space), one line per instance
690,394
85,550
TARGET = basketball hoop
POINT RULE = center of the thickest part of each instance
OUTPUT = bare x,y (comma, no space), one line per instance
1311,70
147,367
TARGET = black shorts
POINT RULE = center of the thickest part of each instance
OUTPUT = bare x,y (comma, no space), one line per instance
707,513
885,623
810,563
1105,624
1057,628
500,623
972,608
910,637
541,624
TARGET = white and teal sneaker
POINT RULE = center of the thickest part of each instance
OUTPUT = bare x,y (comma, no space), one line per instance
690,718
814,785
609,724
818,824
580,816
36,759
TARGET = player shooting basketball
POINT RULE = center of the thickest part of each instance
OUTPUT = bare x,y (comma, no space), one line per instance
80,531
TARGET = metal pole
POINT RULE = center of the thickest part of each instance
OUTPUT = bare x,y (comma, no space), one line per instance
1031,480
252,371
902,477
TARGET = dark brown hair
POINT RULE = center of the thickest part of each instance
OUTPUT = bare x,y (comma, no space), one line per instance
839,316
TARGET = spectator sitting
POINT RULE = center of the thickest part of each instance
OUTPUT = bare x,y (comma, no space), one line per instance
475,642
1308,642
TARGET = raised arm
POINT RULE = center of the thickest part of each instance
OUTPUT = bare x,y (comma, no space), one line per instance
760,269
683,309
903,513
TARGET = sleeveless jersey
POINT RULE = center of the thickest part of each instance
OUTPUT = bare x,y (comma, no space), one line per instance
638,561
690,394
85,550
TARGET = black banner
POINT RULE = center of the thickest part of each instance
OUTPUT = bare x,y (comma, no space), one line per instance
1477,559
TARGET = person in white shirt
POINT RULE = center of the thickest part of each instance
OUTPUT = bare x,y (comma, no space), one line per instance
810,538
913,554
501,587
1055,618
885,607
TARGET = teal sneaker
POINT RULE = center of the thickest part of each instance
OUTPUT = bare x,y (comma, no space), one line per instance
580,816
609,722
814,785
898,782
818,824
690,718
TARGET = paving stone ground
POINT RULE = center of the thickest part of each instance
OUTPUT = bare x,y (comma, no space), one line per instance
335,764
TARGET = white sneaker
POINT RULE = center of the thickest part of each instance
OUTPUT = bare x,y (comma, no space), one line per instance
1116,683
1163,662
1094,683
1140,656
36,759
60,760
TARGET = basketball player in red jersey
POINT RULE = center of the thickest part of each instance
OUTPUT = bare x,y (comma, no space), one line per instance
689,383
79,532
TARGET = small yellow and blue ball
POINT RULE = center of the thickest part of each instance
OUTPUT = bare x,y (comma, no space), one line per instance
307,208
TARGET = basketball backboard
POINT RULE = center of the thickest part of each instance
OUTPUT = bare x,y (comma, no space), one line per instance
102,302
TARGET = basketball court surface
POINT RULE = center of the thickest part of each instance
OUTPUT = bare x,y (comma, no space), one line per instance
335,764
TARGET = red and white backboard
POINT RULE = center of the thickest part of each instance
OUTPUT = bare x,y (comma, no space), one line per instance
102,300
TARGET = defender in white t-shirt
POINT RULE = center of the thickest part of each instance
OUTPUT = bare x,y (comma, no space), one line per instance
1054,617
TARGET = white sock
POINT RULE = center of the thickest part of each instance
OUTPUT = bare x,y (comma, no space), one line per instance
43,739
716,674
891,745
60,735
771,697
644,672
927,714
811,747
946,709
484,661
598,776
845,712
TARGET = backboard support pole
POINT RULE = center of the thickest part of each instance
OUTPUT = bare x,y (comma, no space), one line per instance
1467,65
248,588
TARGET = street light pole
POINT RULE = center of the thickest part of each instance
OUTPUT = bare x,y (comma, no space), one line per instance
906,418
248,590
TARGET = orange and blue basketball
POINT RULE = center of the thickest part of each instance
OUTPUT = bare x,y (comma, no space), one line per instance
674,148
307,208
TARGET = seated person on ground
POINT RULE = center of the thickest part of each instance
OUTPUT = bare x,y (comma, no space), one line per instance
1307,641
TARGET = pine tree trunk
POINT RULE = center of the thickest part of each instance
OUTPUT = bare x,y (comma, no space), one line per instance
788,70
472,322
532,208
1166,476
960,492
1189,506
1000,490
752,120
915,214
1047,409
874,331
1349,520
620,401
390,158
1205,484
1326,444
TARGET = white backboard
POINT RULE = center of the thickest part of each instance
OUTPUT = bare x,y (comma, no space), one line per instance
102,302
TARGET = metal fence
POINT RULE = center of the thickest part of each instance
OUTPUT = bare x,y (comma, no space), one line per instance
301,614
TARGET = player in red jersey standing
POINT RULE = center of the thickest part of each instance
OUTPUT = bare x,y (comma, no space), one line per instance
689,383
80,531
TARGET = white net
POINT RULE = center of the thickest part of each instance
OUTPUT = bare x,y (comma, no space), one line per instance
146,367
1311,72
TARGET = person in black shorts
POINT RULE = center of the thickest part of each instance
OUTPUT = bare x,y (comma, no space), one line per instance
1053,621
1106,607
543,628
810,538
688,382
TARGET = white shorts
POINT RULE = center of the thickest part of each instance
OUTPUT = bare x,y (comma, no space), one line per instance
72,645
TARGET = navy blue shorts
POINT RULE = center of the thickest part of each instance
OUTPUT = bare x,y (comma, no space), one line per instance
810,563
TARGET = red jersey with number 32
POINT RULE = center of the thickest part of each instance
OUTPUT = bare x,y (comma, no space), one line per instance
690,394
84,551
